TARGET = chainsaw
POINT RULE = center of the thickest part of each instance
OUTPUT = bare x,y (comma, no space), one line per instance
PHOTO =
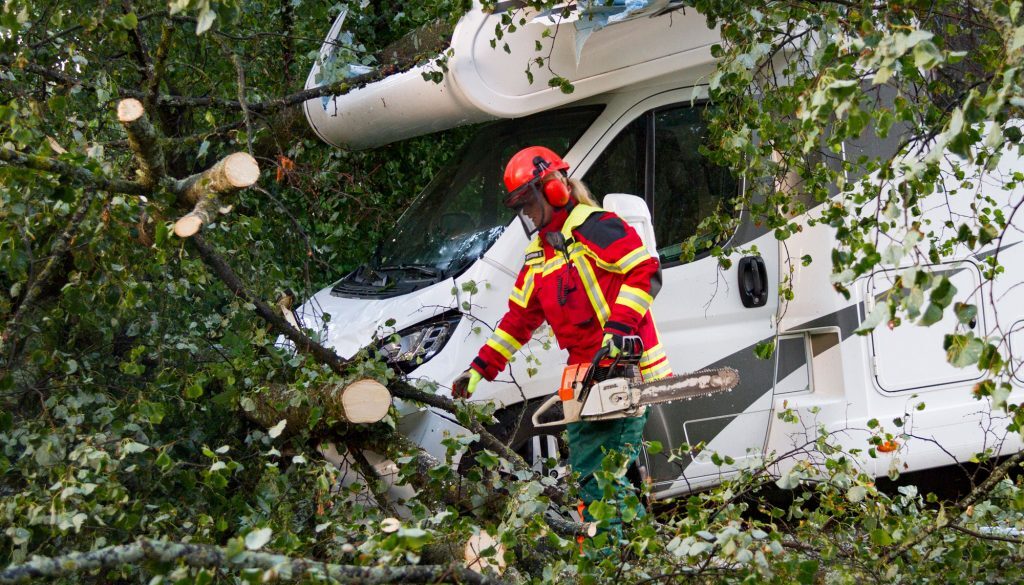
610,388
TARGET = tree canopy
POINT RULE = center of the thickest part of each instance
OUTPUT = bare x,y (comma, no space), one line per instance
137,367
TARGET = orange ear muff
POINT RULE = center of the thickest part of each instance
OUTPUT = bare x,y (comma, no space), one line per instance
556,192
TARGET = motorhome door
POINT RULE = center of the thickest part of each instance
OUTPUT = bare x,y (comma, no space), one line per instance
706,315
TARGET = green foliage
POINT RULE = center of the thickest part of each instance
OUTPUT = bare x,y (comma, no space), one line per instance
124,377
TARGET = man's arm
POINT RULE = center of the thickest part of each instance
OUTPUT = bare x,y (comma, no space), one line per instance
524,315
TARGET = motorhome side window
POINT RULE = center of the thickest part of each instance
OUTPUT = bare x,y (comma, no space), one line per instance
657,156
687,186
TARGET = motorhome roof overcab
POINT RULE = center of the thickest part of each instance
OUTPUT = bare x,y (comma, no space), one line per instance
633,127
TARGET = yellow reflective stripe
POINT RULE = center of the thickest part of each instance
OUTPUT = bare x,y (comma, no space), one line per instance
652,355
577,216
635,299
631,260
641,295
518,298
534,245
503,343
627,302
593,290
588,253
530,283
554,264
663,370
521,296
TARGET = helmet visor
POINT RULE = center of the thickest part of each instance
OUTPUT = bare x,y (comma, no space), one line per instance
527,196
523,195
528,226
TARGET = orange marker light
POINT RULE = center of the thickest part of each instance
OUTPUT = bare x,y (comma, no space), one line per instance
888,446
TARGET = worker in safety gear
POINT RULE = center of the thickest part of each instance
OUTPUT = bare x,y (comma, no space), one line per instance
589,275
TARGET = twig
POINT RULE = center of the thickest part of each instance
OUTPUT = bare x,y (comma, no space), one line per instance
984,536
159,66
73,173
241,100
976,494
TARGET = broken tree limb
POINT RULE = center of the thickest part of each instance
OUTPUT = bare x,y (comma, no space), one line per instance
364,401
143,140
231,173
49,272
475,557
304,344
210,556
399,389
284,304
79,175
202,214
401,446
956,511
203,190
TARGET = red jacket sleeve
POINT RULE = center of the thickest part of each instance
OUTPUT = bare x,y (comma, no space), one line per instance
515,328
616,247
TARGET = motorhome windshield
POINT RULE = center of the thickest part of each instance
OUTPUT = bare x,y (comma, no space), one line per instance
460,213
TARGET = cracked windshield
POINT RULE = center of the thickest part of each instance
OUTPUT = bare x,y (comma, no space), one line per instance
460,214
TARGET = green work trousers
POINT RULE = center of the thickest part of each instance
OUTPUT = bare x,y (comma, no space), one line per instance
588,442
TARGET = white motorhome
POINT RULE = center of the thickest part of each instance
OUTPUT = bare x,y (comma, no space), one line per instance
633,126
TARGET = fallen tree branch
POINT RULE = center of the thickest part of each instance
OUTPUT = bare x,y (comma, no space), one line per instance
204,190
231,173
304,344
143,140
984,536
210,556
399,389
60,247
976,494
359,402
73,173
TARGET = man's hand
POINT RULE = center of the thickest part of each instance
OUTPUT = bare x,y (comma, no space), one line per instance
465,384
613,343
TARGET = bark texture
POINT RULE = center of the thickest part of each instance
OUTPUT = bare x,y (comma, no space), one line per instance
277,567
361,402
143,140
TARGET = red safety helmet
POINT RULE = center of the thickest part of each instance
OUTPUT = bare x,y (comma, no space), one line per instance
526,171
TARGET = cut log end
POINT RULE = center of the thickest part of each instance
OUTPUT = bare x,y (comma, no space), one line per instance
129,110
365,401
475,547
187,226
241,170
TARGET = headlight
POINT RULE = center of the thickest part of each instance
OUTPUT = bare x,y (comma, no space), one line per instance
417,344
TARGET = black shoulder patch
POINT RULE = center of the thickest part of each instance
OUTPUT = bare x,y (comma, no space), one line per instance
533,255
603,229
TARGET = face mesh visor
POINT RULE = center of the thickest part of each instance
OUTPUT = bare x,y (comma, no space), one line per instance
528,226
523,197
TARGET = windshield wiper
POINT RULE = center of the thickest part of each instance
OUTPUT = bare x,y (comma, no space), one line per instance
427,270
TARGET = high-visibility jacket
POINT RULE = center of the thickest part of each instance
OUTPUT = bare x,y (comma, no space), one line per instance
603,280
